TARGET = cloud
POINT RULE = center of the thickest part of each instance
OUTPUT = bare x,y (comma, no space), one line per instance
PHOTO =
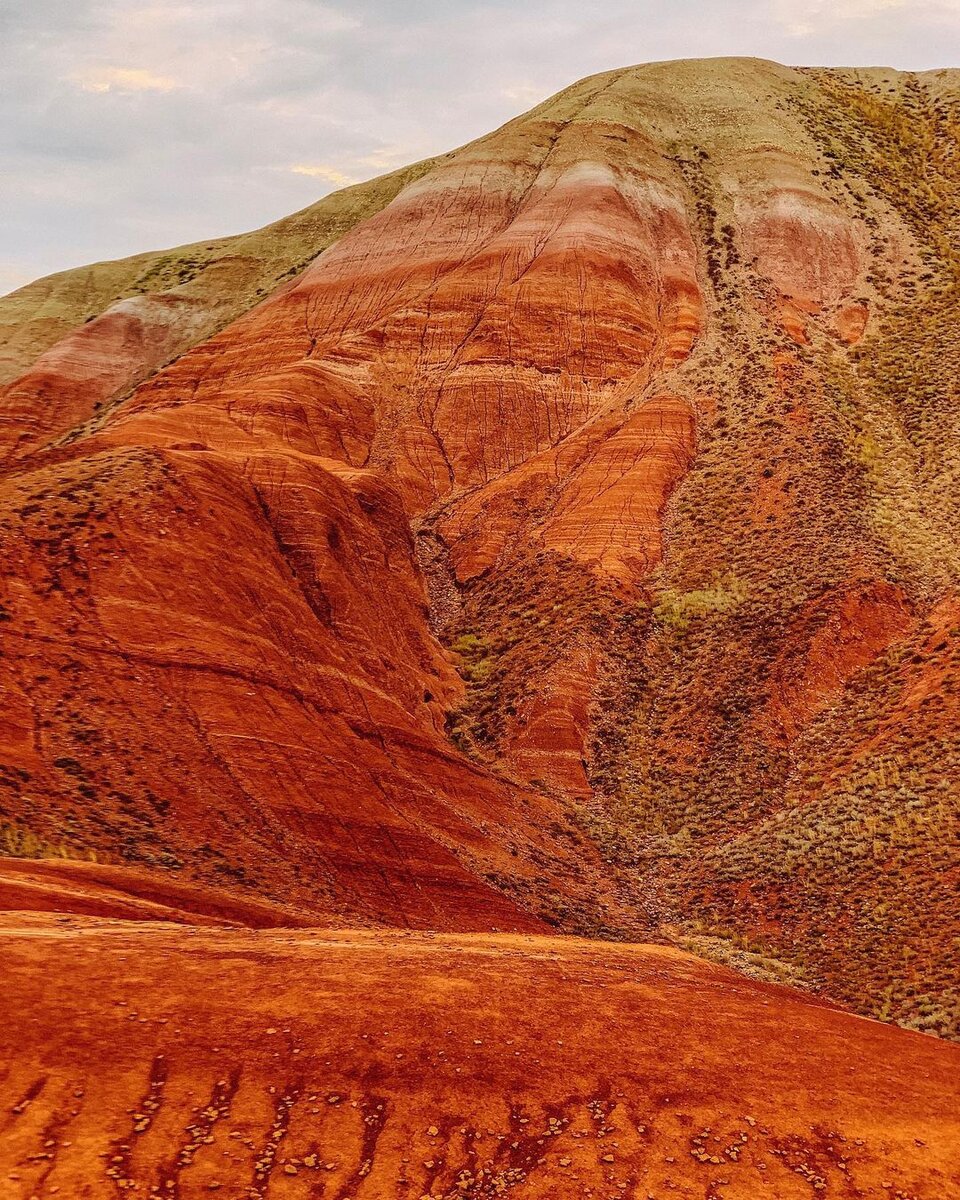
320,171
816,15
389,158
123,79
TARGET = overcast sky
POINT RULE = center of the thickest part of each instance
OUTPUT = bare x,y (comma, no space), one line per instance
128,125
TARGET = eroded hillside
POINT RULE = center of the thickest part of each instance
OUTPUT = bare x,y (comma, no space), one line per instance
576,538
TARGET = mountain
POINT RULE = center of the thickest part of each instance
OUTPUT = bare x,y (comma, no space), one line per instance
561,534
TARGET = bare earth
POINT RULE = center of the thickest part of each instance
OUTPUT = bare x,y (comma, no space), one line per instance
155,1060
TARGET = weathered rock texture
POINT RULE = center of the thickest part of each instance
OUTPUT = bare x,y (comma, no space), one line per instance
155,1061
576,538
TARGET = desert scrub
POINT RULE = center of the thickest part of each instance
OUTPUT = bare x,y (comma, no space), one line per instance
16,841
676,610
474,655
750,957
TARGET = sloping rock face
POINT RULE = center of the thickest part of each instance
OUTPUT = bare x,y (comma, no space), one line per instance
155,1061
575,538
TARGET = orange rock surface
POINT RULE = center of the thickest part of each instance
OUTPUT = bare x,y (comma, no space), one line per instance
154,1061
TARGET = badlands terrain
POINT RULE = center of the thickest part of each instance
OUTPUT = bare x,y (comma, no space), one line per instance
480,670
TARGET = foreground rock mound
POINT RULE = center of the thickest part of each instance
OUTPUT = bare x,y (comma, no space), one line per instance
159,1061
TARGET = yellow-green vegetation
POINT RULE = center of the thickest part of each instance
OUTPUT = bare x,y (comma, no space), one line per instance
676,610
16,841
473,655
896,140
747,955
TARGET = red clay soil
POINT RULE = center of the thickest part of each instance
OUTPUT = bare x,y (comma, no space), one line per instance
217,649
153,1061
132,894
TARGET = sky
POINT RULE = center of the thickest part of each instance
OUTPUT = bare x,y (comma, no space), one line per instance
129,125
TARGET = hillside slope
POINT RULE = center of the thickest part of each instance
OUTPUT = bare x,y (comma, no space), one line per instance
145,310
154,1062
576,538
